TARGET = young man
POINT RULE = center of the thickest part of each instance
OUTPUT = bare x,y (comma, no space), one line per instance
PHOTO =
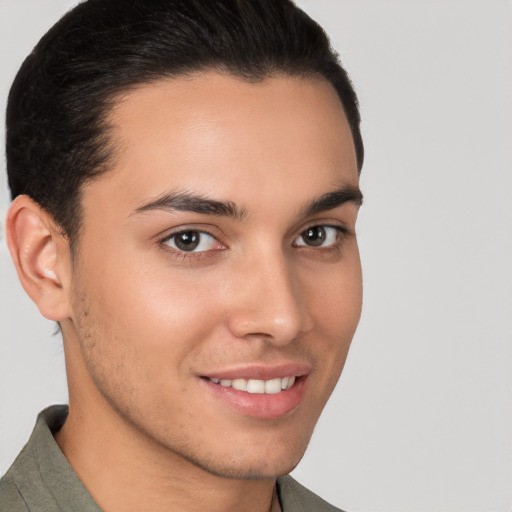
185,185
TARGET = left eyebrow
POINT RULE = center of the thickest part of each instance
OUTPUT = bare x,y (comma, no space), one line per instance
331,200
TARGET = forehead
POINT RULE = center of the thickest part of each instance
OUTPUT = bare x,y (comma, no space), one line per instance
210,131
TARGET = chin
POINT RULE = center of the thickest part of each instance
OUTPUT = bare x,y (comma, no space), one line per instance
248,470
250,463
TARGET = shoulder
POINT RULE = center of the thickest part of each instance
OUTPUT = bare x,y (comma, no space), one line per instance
294,497
10,497
26,485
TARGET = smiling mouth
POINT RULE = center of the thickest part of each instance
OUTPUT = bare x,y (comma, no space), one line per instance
277,395
256,386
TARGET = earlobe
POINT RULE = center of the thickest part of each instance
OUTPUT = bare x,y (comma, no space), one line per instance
41,257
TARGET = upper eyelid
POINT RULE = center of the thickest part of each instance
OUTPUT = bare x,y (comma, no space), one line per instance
202,231
326,224
169,233
341,229
323,225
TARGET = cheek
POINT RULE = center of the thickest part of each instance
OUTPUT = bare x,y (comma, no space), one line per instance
150,312
334,300
147,333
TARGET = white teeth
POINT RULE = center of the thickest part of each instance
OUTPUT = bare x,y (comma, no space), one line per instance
240,384
270,387
255,386
273,386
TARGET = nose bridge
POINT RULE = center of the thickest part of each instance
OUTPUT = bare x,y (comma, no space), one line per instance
268,301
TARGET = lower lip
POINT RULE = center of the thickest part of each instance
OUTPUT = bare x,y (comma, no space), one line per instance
261,405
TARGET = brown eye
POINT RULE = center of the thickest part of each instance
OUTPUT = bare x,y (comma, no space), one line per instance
192,241
314,236
318,236
187,240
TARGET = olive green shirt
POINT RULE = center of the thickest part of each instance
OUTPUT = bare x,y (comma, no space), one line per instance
41,479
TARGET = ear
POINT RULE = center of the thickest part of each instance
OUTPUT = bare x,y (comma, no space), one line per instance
41,255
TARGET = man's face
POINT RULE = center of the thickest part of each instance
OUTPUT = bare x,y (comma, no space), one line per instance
219,250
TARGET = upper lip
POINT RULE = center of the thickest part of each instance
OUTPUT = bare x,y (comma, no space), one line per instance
260,371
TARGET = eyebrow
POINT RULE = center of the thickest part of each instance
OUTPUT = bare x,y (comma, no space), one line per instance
186,201
331,200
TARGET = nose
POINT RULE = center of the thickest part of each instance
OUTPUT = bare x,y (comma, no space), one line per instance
268,302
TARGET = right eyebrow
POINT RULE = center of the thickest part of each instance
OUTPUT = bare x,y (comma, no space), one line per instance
187,202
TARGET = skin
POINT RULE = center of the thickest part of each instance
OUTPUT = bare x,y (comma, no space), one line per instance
143,322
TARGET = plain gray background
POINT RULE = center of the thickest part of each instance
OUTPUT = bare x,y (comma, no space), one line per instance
422,417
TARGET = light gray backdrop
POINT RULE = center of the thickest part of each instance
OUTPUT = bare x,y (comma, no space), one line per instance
422,417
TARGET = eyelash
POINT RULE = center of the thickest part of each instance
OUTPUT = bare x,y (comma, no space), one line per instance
341,234
182,255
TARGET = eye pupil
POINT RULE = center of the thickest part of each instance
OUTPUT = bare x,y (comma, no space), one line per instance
314,236
187,240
